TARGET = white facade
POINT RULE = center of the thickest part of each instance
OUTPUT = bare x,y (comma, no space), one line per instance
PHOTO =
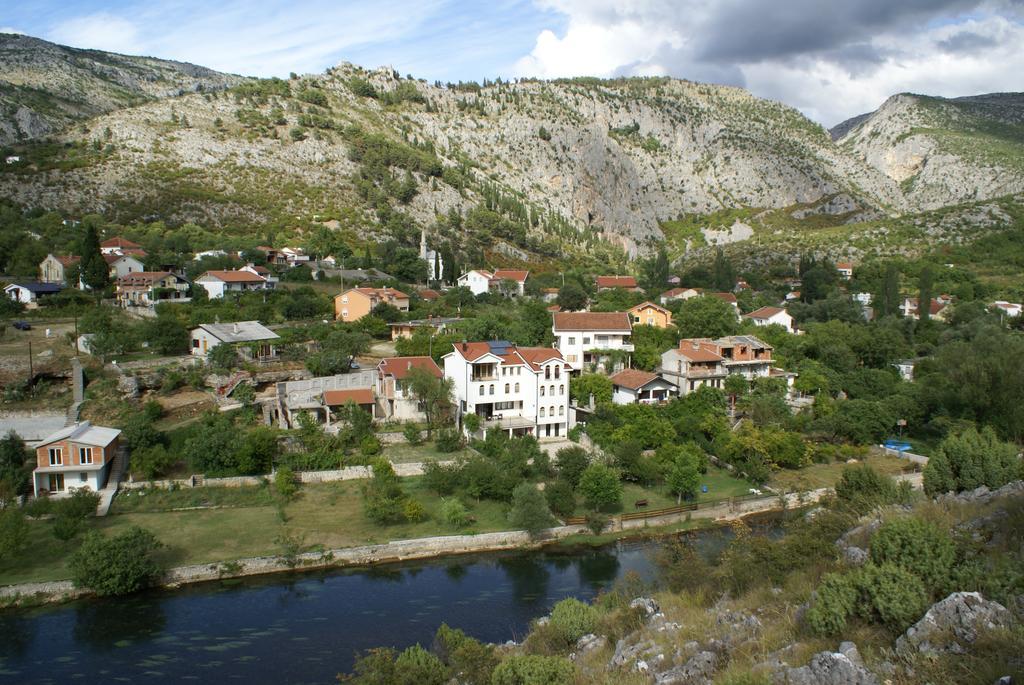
124,265
582,336
1010,309
477,281
772,316
218,283
523,391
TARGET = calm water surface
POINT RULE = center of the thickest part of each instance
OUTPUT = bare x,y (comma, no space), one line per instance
303,628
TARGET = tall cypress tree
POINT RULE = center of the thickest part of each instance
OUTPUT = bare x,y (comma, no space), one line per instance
924,293
95,274
887,301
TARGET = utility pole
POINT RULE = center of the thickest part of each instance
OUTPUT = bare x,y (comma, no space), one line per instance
75,342
31,371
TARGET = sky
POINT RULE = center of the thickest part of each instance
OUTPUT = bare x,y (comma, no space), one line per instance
832,59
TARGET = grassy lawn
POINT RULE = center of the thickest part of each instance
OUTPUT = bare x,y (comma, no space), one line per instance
328,514
720,486
825,475
404,453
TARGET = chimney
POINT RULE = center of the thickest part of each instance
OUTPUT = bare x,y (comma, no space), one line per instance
408,366
464,346
234,328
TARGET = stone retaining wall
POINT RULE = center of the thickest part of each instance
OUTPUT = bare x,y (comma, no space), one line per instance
347,473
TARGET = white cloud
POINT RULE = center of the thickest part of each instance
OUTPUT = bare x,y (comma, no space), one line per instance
11,29
101,31
874,52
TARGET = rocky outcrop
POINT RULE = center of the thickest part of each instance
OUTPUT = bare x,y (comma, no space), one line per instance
843,667
983,494
953,624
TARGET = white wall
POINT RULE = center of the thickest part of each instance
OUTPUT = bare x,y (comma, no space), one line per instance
214,289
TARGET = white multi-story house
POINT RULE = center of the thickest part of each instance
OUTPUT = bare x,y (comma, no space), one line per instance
217,283
393,392
700,361
121,265
482,281
633,386
592,338
519,390
768,316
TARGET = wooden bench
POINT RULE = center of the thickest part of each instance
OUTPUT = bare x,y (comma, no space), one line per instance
640,503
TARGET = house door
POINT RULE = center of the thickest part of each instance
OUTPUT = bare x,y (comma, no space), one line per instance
56,482
548,430
204,346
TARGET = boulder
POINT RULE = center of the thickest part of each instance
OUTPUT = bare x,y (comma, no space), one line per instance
626,652
954,623
699,670
587,644
646,605
855,556
829,668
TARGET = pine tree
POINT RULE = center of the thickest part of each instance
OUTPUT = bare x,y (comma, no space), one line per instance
924,296
95,274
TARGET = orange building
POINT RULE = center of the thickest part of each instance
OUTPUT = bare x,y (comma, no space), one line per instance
650,314
356,303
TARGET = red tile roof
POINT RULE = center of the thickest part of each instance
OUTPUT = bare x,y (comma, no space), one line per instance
381,292
765,312
675,292
616,282
118,241
236,276
645,305
592,321
143,278
698,350
399,367
428,294
846,266
68,260
516,356
728,297
634,379
333,398
511,275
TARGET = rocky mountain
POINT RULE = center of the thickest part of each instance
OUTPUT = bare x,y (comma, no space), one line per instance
943,151
46,87
557,165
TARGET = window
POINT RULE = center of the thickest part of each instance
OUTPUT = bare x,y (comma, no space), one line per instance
542,412
586,340
506,388
551,411
84,455
542,391
561,390
56,456
547,373
517,387
572,340
551,390
195,342
490,389
82,478
561,411
558,372
481,391
344,299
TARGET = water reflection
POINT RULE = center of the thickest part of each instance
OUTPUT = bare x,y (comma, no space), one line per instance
104,625
16,634
529,577
598,569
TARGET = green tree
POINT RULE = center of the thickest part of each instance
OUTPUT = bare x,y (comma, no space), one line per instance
14,532
531,669
970,460
656,271
93,268
571,619
571,296
887,299
917,546
434,395
117,565
166,333
925,283
600,487
583,386
723,276
863,488
706,317
571,463
337,351
683,479
15,469
530,510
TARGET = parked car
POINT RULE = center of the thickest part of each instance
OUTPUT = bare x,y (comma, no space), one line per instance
22,325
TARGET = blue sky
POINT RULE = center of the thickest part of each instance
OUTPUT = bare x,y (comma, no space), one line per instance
830,58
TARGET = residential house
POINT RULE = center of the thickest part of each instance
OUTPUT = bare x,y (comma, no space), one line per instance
12,159
428,295
520,390
612,282
505,281
549,294
146,288
252,340
405,329
355,303
77,456
199,256
30,292
336,400
632,386
741,285
772,316
845,270
700,361
593,338
650,314
793,296
310,396
1008,309
728,298
274,256
122,264
674,294
262,272
398,402
295,256
906,368
121,246
938,309
219,283
696,362
56,268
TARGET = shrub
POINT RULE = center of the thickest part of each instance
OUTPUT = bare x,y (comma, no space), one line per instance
561,499
117,565
152,462
530,510
417,666
596,522
454,512
441,478
572,619
863,488
835,602
917,546
14,533
285,482
969,460
448,440
413,511
411,432
369,446
531,669
892,594
600,487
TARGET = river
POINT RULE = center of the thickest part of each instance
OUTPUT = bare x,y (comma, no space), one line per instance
305,627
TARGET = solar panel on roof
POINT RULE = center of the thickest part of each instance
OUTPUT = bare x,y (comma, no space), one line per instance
499,347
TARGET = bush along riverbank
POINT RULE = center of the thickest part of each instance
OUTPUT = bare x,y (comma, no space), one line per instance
877,584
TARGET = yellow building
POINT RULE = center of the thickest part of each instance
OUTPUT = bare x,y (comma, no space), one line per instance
650,314
356,303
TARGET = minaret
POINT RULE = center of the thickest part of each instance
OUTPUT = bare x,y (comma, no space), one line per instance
423,244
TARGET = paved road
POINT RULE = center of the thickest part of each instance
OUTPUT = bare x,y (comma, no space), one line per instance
31,426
